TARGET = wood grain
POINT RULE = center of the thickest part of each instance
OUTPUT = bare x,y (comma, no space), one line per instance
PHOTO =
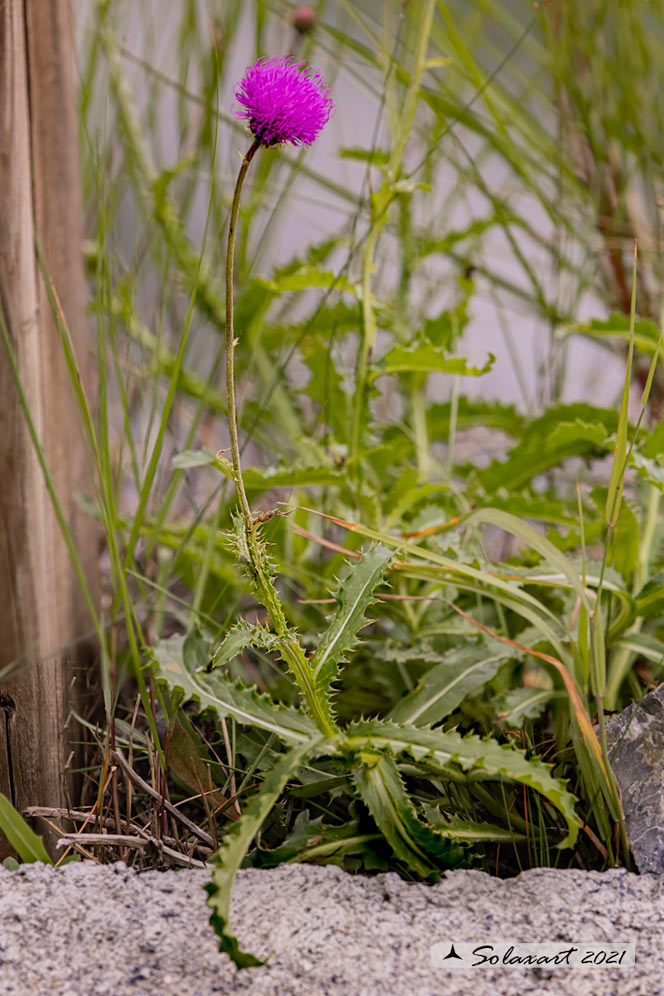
41,608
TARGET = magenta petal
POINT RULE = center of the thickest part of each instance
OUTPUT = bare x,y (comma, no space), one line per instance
283,104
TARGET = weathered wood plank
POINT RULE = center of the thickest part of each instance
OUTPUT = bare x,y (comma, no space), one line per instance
41,608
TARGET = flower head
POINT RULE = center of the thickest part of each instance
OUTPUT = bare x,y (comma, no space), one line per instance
283,104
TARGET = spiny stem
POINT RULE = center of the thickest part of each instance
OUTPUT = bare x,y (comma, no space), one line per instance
230,337
289,646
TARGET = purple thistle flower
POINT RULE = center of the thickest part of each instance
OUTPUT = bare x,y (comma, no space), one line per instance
283,104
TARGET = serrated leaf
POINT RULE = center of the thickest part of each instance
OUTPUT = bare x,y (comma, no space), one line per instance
238,638
445,568
469,831
441,750
355,595
422,848
462,673
227,697
426,358
544,444
228,858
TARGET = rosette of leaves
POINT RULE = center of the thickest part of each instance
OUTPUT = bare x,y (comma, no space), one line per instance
376,755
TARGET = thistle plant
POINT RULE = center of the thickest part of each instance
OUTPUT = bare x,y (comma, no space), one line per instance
282,103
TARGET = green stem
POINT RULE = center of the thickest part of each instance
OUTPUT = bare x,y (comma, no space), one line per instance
454,418
418,385
369,332
252,550
230,337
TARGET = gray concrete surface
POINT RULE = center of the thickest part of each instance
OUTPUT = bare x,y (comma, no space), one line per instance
104,930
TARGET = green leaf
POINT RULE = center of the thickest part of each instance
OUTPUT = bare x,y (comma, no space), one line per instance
650,469
423,849
459,573
426,358
292,475
326,384
313,840
22,837
196,651
520,704
526,533
653,444
473,412
241,636
463,672
650,600
568,434
626,546
486,758
228,698
446,328
645,645
307,276
611,582
355,595
194,458
228,858
375,156
305,833
561,432
646,333
409,186
468,831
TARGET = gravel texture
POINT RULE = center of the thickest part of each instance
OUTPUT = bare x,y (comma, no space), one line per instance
107,931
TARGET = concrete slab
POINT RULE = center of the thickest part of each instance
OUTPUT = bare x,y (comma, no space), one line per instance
105,930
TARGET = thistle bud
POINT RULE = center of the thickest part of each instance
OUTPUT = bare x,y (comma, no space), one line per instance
304,19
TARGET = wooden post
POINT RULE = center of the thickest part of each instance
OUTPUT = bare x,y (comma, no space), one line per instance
41,608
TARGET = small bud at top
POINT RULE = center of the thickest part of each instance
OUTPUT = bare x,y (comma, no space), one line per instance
304,19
